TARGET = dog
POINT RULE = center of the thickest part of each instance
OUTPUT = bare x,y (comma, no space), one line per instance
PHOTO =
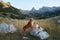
27,26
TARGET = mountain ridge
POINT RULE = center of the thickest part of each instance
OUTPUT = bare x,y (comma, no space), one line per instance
8,11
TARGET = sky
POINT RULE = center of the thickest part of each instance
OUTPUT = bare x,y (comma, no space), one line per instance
29,4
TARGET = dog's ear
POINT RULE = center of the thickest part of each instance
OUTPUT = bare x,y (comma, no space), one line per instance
31,19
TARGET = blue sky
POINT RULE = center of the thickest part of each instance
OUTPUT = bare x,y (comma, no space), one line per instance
28,4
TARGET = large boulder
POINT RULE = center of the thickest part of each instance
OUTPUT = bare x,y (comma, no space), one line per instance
39,32
7,28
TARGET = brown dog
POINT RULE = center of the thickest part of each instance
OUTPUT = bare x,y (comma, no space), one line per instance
29,25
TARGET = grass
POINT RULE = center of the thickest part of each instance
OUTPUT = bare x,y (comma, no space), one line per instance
15,36
49,25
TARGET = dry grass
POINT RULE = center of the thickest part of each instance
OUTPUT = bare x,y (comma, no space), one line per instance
49,25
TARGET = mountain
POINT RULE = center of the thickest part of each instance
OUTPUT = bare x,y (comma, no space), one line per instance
42,13
24,11
8,11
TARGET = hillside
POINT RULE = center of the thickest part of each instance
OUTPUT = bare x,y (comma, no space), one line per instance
50,25
7,10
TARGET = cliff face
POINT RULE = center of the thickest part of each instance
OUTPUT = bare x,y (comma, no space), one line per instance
5,4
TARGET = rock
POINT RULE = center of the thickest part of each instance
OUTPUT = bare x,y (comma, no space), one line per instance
58,21
43,35
7,28
39,33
